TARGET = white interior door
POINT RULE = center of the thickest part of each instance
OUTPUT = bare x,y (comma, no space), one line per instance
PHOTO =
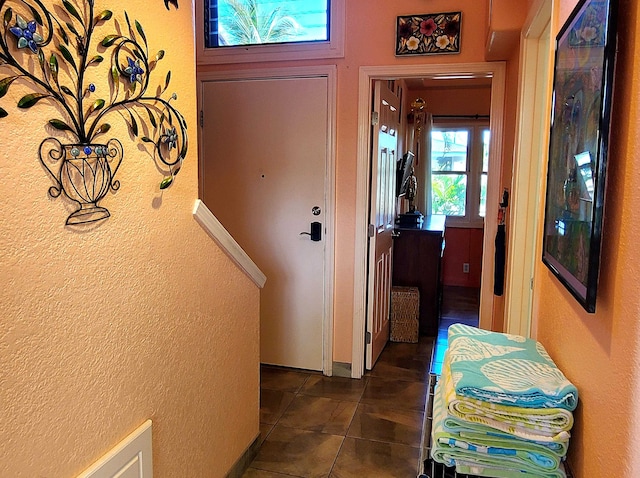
265,148
382,215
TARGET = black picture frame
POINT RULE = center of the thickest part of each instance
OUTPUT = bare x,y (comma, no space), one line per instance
578,147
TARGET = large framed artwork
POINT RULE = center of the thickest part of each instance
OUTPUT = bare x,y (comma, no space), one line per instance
578,147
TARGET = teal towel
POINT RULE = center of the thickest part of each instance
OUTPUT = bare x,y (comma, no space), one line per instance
506,369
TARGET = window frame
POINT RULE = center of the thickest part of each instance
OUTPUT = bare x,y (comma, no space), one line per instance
474,172
332,48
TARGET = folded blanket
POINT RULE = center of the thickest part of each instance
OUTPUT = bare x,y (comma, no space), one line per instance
478,432
507,369
512,458
469,468
547,425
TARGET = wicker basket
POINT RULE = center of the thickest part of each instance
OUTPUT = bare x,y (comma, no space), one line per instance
405,306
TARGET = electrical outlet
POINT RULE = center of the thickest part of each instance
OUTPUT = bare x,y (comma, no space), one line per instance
465,267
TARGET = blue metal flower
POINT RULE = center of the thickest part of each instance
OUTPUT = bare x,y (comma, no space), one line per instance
26,33
134,70
170,138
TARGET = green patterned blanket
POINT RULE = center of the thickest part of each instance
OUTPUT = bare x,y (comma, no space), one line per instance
506,369
493,456
544,425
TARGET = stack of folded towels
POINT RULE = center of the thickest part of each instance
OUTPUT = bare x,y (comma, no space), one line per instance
502,408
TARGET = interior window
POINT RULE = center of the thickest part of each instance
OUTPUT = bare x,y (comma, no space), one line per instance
257,22
459,168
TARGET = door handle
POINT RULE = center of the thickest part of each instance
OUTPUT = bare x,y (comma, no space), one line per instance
395,233
316,231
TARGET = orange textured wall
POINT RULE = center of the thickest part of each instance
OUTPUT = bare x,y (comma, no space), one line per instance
456,101
370,33
462,245
599,352
140,316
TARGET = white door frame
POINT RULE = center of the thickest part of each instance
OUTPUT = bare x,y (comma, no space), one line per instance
367,74
532,143
330,72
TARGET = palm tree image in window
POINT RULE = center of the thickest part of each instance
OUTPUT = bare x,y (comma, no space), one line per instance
449,172
459,169
256,22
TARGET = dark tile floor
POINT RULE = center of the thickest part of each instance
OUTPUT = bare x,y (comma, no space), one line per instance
459,305
331,427
316,426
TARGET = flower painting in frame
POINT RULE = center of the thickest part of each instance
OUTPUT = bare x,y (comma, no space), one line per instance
578,147
429,34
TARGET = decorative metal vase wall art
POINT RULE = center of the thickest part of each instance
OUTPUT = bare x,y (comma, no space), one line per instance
172,2
57,52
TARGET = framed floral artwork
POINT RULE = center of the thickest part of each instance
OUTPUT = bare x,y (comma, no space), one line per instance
578,147
429,34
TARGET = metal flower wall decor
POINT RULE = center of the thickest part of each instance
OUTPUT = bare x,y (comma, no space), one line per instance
61,53
172,2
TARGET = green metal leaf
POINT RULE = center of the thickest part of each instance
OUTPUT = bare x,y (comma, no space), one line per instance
53,63
72,29
133,125
36,15
141,31
160,55
8,15
146,139
53,66
166,83
166,182
3,113
67,91
109,40
67,56
4,84
72,10
63,35
59,125
104,128
41,59
97,105
152,118
31,99
106,15
96,59
114,74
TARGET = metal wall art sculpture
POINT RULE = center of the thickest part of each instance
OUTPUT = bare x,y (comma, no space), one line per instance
172,2
54,51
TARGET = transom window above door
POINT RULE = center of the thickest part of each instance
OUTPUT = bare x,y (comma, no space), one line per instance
257,22
235,31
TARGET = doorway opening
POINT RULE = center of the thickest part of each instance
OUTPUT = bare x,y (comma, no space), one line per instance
495,73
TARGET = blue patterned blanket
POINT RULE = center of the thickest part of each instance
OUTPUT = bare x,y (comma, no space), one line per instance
506,369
